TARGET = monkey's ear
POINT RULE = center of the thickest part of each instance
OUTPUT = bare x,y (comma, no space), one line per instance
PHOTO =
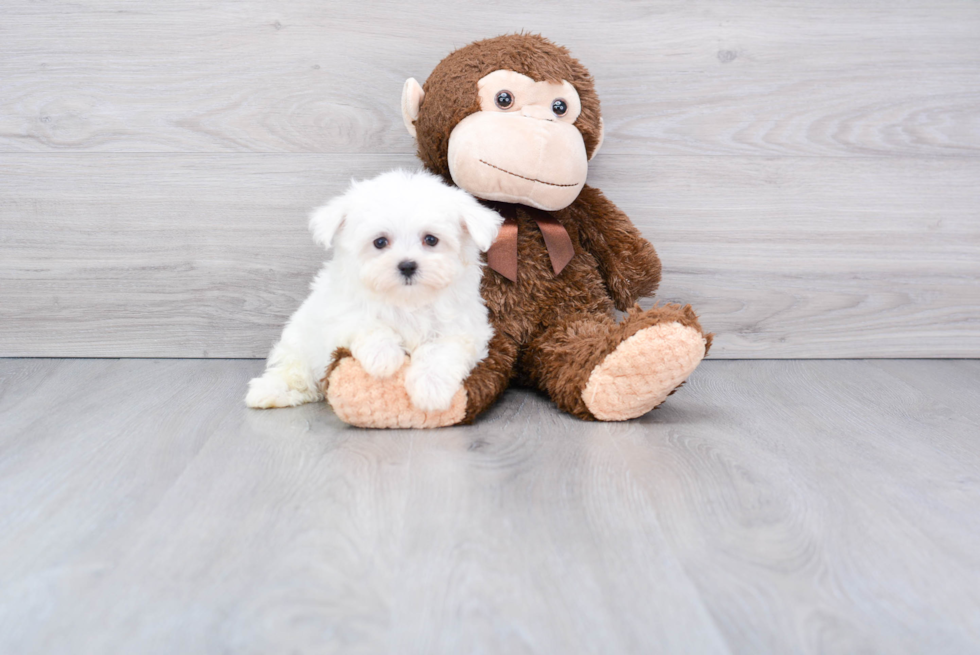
481,223
412,96
602,135
325,222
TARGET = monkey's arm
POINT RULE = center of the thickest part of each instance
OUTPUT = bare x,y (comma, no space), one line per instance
628,263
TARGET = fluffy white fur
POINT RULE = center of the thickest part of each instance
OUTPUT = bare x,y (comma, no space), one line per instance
362,301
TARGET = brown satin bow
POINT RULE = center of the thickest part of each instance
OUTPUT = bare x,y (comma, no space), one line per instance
502,256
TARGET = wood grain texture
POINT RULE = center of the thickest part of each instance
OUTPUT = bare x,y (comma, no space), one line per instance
123,255
805,507
807,169
752,78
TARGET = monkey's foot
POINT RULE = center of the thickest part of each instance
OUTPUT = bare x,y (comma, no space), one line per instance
367,402
643,370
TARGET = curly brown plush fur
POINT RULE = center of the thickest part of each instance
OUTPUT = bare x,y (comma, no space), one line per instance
551,332
451,93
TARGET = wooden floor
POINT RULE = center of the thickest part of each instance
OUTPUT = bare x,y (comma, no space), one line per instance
782,507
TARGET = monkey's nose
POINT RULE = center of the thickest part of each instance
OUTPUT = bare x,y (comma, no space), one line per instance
534,111
408,268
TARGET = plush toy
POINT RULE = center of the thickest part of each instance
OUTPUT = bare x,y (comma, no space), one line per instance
514,121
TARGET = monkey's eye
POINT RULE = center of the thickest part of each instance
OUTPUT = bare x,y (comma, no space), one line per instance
559,106
504,99
430,240
381,243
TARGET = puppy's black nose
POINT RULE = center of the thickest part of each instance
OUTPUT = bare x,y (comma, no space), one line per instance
408,268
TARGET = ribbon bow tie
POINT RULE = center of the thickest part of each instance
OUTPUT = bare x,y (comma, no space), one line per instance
502,256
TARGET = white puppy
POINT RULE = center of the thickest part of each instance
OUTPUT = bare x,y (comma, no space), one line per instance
404,280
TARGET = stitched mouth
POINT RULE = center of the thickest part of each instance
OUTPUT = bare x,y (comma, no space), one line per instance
531,179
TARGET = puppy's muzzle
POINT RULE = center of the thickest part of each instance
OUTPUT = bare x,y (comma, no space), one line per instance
407,268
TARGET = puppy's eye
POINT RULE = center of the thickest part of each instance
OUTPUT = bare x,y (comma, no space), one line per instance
430,240
380,243
503,99
559,106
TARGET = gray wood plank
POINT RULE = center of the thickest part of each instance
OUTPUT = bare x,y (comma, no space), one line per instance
207,255
798,78
811,507
828,468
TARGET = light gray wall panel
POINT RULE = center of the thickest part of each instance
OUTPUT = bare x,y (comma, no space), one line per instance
806,169
162,255
801,78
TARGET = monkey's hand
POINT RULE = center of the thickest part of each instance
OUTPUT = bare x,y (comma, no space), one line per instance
627,262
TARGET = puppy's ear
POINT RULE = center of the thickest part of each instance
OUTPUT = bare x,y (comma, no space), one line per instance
481,223
325,222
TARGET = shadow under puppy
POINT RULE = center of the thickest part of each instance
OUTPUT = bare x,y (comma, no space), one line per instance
404,282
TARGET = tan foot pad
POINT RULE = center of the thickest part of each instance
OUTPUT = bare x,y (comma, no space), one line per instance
642,371
367,402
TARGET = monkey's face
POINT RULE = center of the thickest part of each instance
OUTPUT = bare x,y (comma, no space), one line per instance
522,146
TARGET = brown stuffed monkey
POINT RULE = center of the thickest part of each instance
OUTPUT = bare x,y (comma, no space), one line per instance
514,121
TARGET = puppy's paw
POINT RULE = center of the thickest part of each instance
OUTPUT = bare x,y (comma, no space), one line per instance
379,358
270,391
430,390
